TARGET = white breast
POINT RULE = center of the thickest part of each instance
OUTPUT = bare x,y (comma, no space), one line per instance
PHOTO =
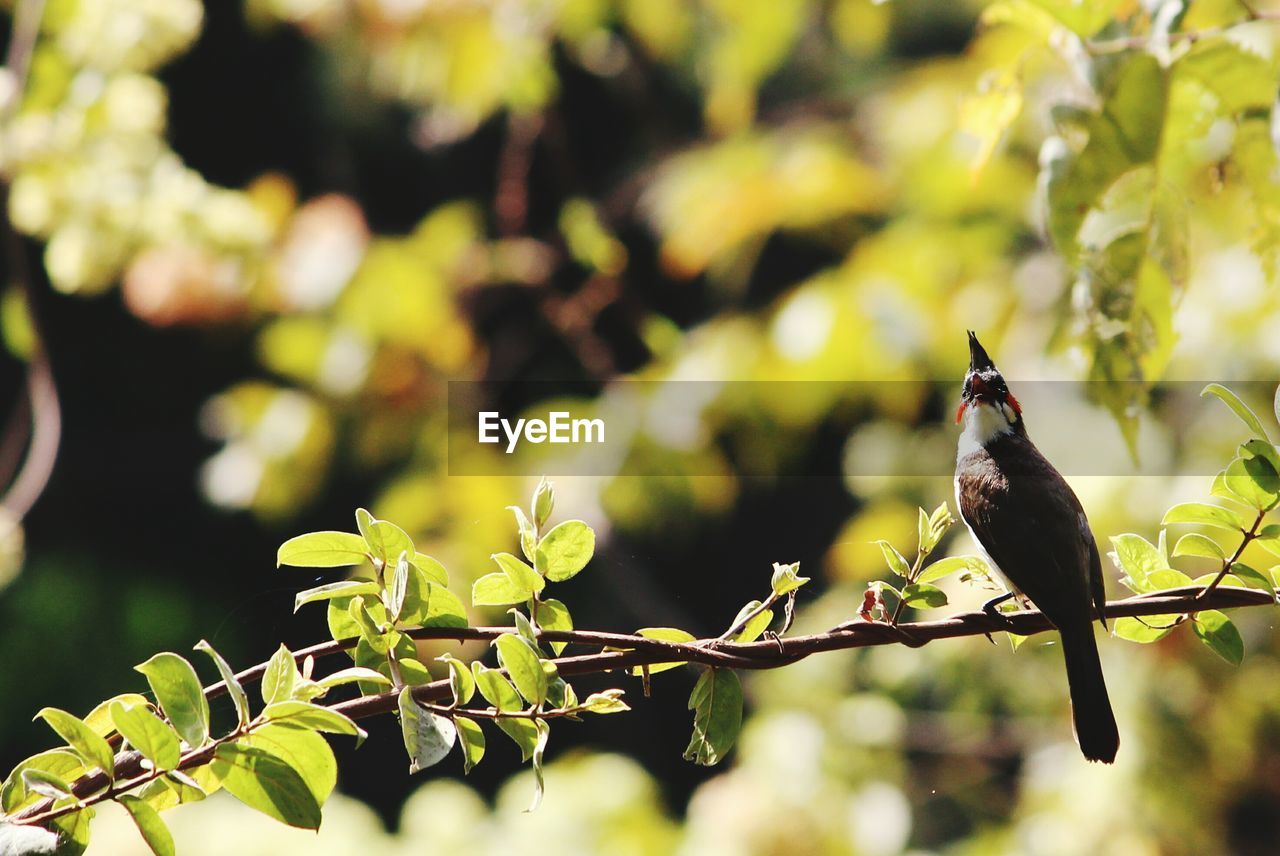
983,423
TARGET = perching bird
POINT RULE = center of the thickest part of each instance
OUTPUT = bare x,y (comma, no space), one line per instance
1029,523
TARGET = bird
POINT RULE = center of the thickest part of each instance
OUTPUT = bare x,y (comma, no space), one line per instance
1032,530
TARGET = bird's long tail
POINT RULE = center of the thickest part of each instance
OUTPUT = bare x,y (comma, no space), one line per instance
1095,724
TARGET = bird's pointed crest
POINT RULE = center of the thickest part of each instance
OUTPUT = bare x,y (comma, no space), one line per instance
979,361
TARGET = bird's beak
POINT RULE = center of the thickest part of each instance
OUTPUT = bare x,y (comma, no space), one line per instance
978,359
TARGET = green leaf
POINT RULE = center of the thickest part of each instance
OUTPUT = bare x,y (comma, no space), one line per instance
396,588
565,550
461,681
99,719
46,784
329,591
1253,481
178,788
63,764
434,570
717,705
429,604
341,624
609,701
523,733
496,590
180,696
496,689
153,830
1216,630
73,832
1239,408
1136,557
305,751
757,625
924,532
945,567
471,739
894,559
147,733
524,666
1261,449
554,615
322,550
923,596
353,674
234,689
665,634
1275,404
280,676
428,737
262,781
1156,627
528,533
786,578
94,749
1203,514
522,577
539,750
304,714
524,628
544,500
1253,578
370,629
1167,578
385,541
1195,544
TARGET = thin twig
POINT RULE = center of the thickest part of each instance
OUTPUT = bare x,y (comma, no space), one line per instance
1227,564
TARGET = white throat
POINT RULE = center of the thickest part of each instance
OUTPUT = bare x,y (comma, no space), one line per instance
983,423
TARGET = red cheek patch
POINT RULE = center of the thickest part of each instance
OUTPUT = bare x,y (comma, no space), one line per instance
960,412
1013,402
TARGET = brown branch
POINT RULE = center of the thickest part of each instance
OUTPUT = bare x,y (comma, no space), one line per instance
42,392
642,652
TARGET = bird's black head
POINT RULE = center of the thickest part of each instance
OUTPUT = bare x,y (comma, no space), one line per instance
985,385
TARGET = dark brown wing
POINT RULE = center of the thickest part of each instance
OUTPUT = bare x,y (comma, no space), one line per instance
1032,525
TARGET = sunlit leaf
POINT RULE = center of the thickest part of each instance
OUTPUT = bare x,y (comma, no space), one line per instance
1216,630
894,559
523,665
181,697
147,733
88,745
496,590
471,739
234,689
566,550
1239,408
154,832
265,782
322,550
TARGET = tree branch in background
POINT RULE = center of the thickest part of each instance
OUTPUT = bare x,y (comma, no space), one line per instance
42,393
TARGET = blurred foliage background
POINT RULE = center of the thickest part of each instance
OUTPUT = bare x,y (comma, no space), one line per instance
260,237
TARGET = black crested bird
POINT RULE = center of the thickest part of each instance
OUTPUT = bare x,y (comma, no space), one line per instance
1035,535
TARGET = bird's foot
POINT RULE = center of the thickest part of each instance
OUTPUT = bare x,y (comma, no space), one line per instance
992,609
